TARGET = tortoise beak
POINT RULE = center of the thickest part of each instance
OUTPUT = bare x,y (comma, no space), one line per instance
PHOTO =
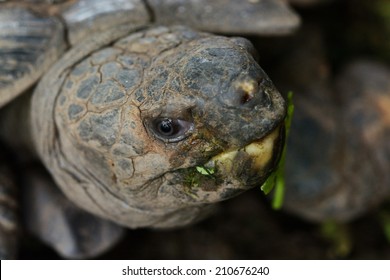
251,164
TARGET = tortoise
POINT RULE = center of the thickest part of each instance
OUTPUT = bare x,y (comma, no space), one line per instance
321,184
140,122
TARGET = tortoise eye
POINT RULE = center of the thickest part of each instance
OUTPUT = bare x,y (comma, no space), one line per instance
171,130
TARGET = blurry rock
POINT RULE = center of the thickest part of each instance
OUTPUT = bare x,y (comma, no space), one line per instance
338,159
337,155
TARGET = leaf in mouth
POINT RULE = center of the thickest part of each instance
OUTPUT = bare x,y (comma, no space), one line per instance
276,179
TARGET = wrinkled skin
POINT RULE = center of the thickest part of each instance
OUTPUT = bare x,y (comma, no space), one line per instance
109,154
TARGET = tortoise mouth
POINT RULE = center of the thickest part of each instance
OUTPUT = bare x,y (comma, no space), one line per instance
252,163
229,173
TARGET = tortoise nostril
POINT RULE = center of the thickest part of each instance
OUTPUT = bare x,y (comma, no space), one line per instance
246,91
246,97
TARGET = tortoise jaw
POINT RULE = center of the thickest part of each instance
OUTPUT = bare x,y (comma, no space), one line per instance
250,164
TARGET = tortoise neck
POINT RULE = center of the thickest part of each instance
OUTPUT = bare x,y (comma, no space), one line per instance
15,126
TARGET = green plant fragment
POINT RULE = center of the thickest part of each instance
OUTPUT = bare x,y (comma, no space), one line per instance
276,179
205,171
384,216
339,237
269,184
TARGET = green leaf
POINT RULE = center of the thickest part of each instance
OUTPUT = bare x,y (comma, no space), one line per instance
205,171
276,179
269,184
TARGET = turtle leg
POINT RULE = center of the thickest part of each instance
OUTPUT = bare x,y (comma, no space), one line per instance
9,222
72,232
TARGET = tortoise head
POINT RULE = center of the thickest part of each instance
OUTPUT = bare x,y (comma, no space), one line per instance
153,129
